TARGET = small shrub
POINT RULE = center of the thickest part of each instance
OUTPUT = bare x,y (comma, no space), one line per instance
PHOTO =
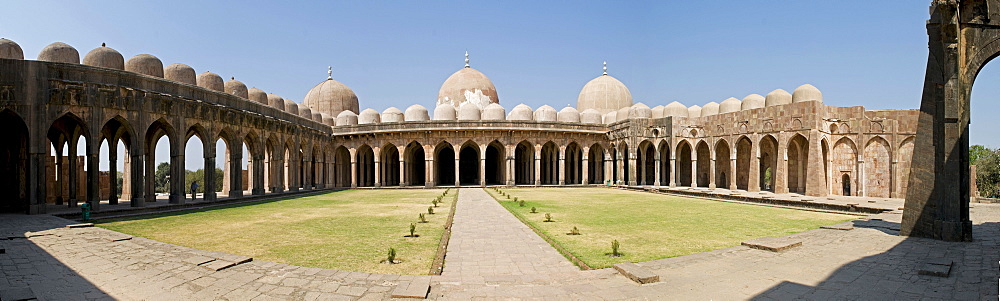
548,217
574,231
515,199
413,230
533,210
508,196
614,249
392,256
430,210
423,218
435,203
521,203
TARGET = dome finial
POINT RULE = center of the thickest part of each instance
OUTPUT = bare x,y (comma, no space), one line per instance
329,72
605,67
104,44
466,59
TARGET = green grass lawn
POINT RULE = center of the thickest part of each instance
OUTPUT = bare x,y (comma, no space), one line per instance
347,230
652,226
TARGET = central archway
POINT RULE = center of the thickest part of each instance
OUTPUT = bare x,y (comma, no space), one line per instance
444,164
13,163
468,164
524,163
494,167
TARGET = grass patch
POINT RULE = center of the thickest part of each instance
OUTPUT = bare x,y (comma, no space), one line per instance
651,226
346,230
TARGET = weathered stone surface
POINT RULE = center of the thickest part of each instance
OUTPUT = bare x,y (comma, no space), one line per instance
217,264
846,226
84,225
773,244
17,294
636,273
939,267
417,288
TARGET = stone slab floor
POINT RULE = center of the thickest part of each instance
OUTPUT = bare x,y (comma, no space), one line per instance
493,256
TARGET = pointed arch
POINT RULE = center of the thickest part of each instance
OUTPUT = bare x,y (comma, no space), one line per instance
665,172
684,163
595,164
704,168
415,164
494,168
744,150
723,158
645,163
768,149
468,156
389,165
365,161
550,163
798,167
877,172
14,171
524,163
845,164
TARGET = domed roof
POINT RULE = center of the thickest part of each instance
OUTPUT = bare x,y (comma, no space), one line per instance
347,117
293,108
392,114
694,111
10,50
640,110
622,113
416,113
604,94
237,88
494,111
369,116
806,93
305,112
104,57
327,120
777,97
211,81
752,101
317,117
710,109
59,52
568,114
521,112
590,116
675,109
146,64
469,111
331,97
276,101
257,95
658,111
730,105
444,111
610,117
180,73
468,85
545,113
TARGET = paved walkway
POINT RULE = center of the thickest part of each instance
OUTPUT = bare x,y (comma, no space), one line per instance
869,262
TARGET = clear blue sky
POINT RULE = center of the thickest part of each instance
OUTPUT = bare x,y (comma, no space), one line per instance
858,53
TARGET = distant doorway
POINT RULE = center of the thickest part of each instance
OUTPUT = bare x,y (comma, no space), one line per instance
846,183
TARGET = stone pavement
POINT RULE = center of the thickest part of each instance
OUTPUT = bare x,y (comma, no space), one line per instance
869,262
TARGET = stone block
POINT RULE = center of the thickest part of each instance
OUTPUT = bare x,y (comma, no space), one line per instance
115,236
637,273
17,294
846,226
217,264
415,289
198,259
83,225
939,267
773,244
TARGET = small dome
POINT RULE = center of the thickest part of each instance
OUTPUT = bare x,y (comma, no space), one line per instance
777,97
730,105
257,95
752,101
469,111
494,111
291,107
694,111
145,64
331,97
211,81
521,112
640,110
445,111
305,112
611,117
710,109
59,52
658,111
622,114
604,94
180,73
275,101
369,116
392,114
346,117
468,85
675,109
317,117
237,88
327,120
590,116
806,93
568,114
545,113
416,113
104,57
10,50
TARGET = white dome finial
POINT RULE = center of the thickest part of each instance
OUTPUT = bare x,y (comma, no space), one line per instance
329,72
466,59
605,67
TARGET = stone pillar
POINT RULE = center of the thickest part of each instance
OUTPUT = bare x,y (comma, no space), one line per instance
458,179
429,179
60,179
732,170
656,170
258,174
753,183
538,166
227,171
93,176
177,189
781,171
815,172
209,185
585,166
403,181
35,177
74,175
113,173
137,174
861,190
354,172
674,170
511,170
378,172
562,166
608,166
633,170
126,186
694,168
711,171
146,177
234,163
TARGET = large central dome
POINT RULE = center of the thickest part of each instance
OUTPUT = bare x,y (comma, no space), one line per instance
331,97
468,85
605,94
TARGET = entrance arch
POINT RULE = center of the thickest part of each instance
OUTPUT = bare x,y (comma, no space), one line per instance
13,163
365,166
415,164
494,170
468,164
524,164
389,163
444,167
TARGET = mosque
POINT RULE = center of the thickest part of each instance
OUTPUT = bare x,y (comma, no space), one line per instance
780,142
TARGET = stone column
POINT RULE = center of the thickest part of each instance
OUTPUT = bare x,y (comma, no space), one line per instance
147,176
354,172
227,172
608,166
35,177
585,166
711,172
674,170
538,166
258,174
403,181
60,178
458,179
210,184
860,179
732,170
235,164
781,171
815,173
126,186
177,175
633,169
137,174
74,175
429,179
694,168
511,166
93,176
656,170
753,183
378,172
113,173
561,166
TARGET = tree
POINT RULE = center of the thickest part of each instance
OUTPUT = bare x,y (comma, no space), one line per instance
976,152
162,183
199,175
988,172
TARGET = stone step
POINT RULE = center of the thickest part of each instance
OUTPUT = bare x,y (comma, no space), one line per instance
773,244
414,289
636,273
